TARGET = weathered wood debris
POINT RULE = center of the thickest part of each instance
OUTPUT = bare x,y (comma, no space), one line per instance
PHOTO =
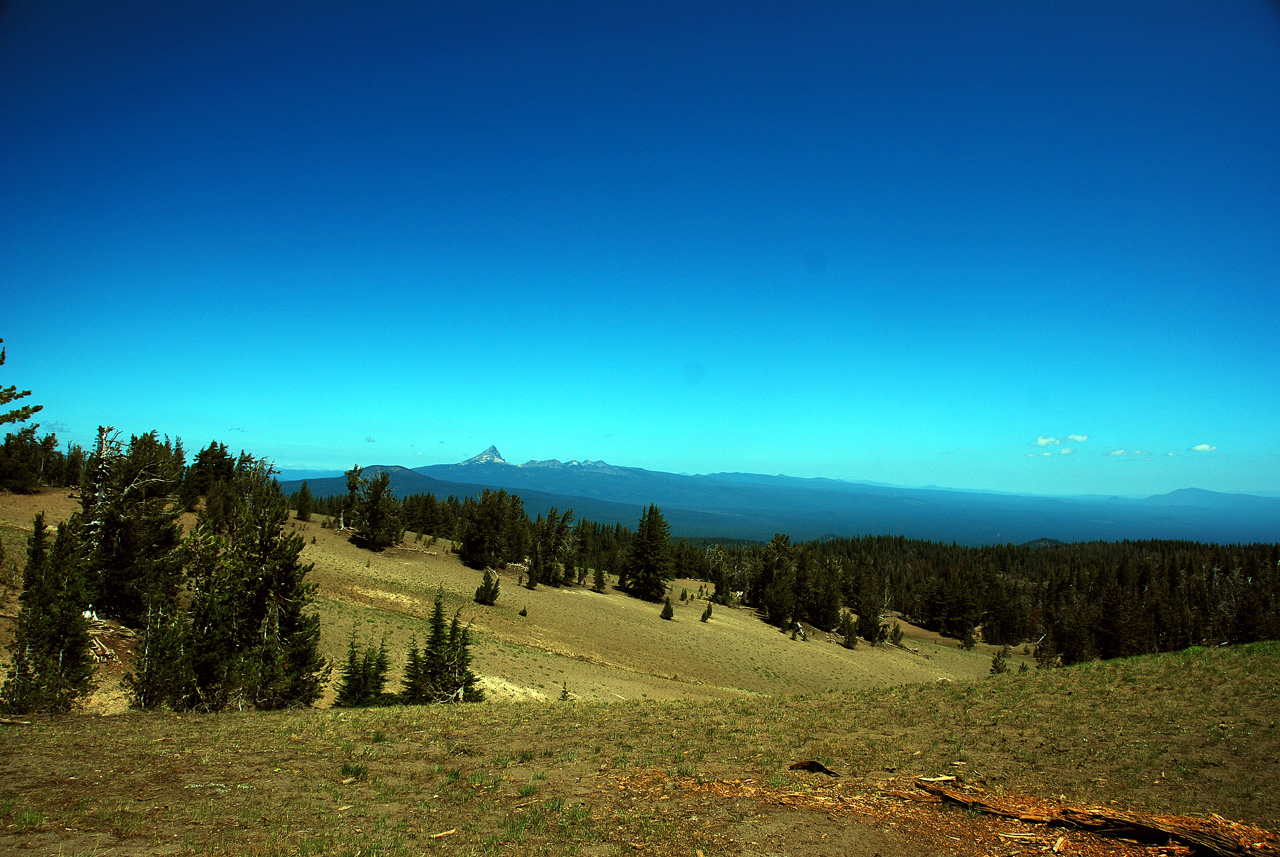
1211,834
100,632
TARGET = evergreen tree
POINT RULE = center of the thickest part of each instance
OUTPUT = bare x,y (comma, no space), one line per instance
648,566
351,690
459,684
597,578
667,611
11,394
281,646
245,636
303,503
848,631
132,530
161,671
346,517
488,535
27,462
52,666
363,679
487,592
551,542
778,582
706,614
436,649
441,672
413,687
1000,661
376,517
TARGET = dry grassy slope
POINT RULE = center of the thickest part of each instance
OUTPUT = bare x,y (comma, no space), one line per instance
597,646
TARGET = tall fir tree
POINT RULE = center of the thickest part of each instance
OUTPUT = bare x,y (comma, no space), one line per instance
132,528
245,636
376,518
52,666
303,503
413,686
648,565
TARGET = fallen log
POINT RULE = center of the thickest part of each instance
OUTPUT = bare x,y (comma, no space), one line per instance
1211,835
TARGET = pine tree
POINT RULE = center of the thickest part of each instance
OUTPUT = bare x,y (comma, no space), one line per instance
377,514
132,529
281,643
52,666
848,631
778,580
667,611
248,638
363,679
11,394
352,685
303,503
444,672
413,687
460,684
597,578
1000,661
161,673
436,649
648,565
492,530
487,592
706,614
352,500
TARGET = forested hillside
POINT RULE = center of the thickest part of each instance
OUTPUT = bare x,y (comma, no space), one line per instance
1076,601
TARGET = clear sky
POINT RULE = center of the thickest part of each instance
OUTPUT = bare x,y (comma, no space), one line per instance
1000,245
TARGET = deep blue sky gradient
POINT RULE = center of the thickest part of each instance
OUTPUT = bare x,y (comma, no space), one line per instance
916,243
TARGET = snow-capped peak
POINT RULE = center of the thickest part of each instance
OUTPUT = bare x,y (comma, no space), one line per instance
489,456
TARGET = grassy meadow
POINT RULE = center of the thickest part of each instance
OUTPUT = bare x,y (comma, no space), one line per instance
610,731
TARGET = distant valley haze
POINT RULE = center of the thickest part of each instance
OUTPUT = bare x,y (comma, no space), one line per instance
756,506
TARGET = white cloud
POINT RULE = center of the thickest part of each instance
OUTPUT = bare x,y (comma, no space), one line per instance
1077,438
1047,441
1039,455
1066,450
1141,452
1172,454
1117,452
1203,447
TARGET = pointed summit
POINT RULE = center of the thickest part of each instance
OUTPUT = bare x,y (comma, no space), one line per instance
489,456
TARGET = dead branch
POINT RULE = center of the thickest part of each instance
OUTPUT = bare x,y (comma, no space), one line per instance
1211,835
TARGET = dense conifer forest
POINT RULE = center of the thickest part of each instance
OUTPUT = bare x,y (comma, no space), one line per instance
1072,602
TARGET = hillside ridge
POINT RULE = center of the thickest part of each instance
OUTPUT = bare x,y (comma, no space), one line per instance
756,506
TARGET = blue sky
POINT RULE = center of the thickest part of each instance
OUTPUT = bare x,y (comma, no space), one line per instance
1015,246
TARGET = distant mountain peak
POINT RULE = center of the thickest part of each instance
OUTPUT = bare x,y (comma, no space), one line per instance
489,456
555,463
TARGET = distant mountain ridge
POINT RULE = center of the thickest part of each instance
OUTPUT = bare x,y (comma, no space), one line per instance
755,506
